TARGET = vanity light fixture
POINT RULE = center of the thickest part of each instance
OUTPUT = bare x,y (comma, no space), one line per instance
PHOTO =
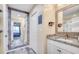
0,10
1,31
51,23
59,25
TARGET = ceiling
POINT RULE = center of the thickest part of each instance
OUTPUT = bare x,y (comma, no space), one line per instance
23,7
17,15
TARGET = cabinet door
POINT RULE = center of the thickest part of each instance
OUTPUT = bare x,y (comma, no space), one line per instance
52,49
33,33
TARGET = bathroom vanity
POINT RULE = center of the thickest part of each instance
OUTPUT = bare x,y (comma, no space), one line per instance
66,39
62,45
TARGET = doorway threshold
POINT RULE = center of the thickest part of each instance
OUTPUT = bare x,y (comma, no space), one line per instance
21,50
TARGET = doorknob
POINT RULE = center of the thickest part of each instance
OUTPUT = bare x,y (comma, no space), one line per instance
58,50
5,35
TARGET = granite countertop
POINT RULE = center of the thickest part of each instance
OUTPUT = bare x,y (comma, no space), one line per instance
69,41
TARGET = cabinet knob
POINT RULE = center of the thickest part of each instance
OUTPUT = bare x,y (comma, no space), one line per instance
5,35
58,50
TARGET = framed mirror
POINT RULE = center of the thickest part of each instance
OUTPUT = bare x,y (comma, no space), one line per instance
68,19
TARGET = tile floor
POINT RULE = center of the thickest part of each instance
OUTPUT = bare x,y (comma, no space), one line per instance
18,47
25,50
16,42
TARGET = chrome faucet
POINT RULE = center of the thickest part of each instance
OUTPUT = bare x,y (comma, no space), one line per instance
78,38
67,36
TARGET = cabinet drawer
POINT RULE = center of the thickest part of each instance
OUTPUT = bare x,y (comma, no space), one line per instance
53,49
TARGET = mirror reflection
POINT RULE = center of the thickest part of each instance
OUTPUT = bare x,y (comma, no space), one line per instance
69,18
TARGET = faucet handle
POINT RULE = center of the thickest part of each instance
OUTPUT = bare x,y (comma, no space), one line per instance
78,38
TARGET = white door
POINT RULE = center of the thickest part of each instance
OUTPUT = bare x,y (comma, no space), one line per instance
33,32
52,49
11,30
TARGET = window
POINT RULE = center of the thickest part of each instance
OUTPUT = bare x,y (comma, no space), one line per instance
40,19
16,30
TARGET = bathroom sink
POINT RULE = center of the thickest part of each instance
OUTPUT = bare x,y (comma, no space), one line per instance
65,40
71,41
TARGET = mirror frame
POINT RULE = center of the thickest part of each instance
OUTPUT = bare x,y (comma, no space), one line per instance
62,9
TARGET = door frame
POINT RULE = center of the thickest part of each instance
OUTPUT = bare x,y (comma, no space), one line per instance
9,25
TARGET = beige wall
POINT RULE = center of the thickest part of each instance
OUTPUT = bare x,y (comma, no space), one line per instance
1,28
5,29
49,15
60,15
60,21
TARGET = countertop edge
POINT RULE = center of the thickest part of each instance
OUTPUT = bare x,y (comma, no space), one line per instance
64,42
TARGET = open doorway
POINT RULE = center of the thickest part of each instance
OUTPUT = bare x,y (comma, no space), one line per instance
17,28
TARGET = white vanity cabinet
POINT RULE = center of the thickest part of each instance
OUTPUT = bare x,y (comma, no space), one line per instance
52,49
55,47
